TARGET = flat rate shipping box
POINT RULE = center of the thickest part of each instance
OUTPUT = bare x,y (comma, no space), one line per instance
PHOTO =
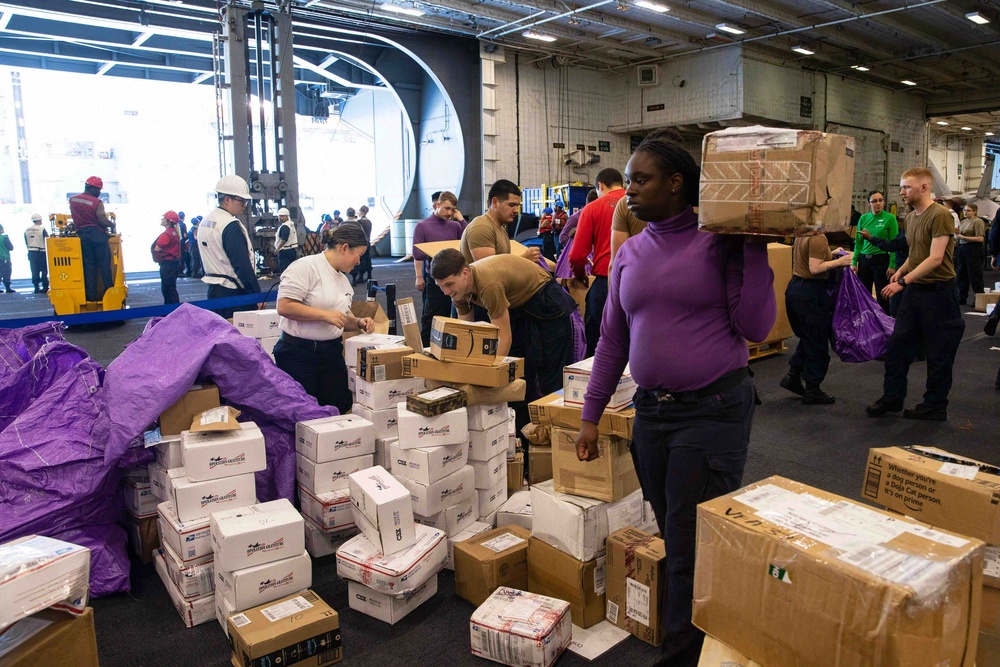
610,477
396,574
53,638
500,373
636,575
490,560
40,572
193,580
556,574
791,575
193,611
300,629
331,438
190,540
514,627
468,342
330,511
775,182
178,416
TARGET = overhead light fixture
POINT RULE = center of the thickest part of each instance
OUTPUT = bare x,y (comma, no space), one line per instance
539,36
908,82
989,134
942,122
803,50
860,68
976,17
967,129
731,29
652,6
409,11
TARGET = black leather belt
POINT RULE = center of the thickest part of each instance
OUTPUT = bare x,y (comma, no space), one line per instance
723,384
314,345
932,287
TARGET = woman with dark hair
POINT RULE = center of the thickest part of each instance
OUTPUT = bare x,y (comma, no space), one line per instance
314,305
970,253
872,264
681,306
167,253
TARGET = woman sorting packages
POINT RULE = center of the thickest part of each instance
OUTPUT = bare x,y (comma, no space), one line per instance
314,309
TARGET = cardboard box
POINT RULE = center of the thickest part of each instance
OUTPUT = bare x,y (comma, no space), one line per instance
492,498
377,364
473,529
779,257
143,537
178,416
477,395
936,487
790,574
485,417
537,630
195,579
988,650
388,608
556,574
432,498
489,473
991,566
385,421
260,584
516,511
211,455
40,572
169,453
385,395
52,638
330,511
609,477
436,401
467,342
450,428
161,480
716,654
406,317
983,300
990,616
257,323
332,438
383,451
196,500
498,374
427,465
192,612
775,181
300,629
577,376
256,535
399,573
376,340
539,464
320,543
190,540
139,498
552,411
487,445
382,509
515,473
329,476
636,583
579,526
454,519
490,560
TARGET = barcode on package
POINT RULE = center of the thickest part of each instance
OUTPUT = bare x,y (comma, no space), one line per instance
214,416
239,620
599,576
285,609
612,612
502,542
407,314
991,563
380,373
872,482
637,601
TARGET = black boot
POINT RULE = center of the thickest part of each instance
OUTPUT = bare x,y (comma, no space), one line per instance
793,382
927,413
816,396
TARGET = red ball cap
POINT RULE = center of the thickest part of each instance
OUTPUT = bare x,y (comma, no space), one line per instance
95,181
171,216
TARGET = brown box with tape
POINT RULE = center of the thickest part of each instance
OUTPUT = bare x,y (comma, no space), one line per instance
636,580
610,477
299,629
178,416
552,411
375,365
499,374
63,640
558,575
468,342
489,560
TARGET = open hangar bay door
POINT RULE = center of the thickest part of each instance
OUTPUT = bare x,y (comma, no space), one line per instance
871,162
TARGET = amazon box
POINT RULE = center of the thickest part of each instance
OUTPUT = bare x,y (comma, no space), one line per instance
636,580
468,342
377,340
498,374
178,416
50,638
552,411
775,182
609,477
380,364
558,575
300,629
332,438
790,574
492,559
479,395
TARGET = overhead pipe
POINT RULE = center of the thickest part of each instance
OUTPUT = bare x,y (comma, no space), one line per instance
578,10
520,20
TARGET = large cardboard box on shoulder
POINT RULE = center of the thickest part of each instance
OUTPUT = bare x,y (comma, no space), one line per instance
558,575
791,575
52,638
775,181
300,629
610,477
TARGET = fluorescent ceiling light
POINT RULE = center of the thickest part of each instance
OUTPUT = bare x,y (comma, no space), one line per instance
652,6
409,11
803,50
731,29
539,36
908,82
942,122
967,129
976,17
860,68
989,134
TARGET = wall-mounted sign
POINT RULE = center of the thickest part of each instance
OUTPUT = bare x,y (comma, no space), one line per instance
655,107
604,146
559,145
581,147
806,107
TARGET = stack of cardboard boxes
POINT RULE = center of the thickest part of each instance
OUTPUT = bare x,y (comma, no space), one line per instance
141,501
352,355
259,324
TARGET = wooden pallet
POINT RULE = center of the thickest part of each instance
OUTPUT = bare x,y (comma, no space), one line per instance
761,350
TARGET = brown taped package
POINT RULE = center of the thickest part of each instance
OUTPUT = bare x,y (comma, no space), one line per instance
515,473
790,575
539,464
983,300
610,477
478,395
716,654
558,575
178,416
779,258
144,536
775,181
636,580
300,629
67,640
489,560
468,342
505,371
552,411
376,365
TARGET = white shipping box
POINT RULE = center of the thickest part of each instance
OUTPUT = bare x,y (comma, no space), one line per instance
161,480
39,572
195,579
380,341
449,428
454,519
579,526
352,381
139,498
489,473
257,534
383,511
399,573
330,475
432,498
257,323
223,610
190,540
332,438
193,612
388,608
330,511
383,452
384,421
196,500
260,584
169,453
387,394
320,543
485,445
575,379
491,499
516,511
484,417
268,345
427,464
534,631
474,528
215,454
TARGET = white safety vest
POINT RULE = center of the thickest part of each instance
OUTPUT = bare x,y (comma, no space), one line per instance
218,269
34,236
293,236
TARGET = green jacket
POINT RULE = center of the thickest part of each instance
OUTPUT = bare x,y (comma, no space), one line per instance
883,226
5,246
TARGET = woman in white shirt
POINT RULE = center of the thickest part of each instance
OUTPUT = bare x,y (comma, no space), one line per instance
314,305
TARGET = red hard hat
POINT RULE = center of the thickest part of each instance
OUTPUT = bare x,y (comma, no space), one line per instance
95,181
171,216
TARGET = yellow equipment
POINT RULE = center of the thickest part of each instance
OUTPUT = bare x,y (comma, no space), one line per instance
66,285
58,222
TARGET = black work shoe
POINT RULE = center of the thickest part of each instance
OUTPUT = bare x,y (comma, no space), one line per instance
927,413
881,407
793,383
816,396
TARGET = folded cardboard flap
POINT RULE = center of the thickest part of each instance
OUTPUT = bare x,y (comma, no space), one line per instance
222,418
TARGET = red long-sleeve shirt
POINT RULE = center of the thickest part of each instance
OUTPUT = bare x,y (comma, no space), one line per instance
593,233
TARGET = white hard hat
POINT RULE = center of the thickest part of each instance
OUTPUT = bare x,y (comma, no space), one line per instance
284,211
35,217
230,184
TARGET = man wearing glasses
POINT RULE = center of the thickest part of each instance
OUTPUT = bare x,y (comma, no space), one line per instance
872,264
226,251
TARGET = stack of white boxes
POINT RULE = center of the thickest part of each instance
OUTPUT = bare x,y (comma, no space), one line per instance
327,451
140,501
488,442
259,324
260,556
355,343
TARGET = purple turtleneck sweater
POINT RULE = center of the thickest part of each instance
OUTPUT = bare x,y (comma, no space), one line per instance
681,306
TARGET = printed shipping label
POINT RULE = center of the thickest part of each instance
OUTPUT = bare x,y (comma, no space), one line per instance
215,416
991,562
599,575
637,601
239,620
612,612
958,470
285,609
407,314
502,542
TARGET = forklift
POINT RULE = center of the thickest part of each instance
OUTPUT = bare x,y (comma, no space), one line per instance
65,257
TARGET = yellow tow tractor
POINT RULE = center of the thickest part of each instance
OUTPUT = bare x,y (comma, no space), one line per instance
65,257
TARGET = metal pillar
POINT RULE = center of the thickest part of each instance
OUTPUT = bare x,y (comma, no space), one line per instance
22,140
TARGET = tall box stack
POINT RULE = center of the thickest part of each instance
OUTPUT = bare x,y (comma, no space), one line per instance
185,563
353,346
488,439
141,502
259,324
